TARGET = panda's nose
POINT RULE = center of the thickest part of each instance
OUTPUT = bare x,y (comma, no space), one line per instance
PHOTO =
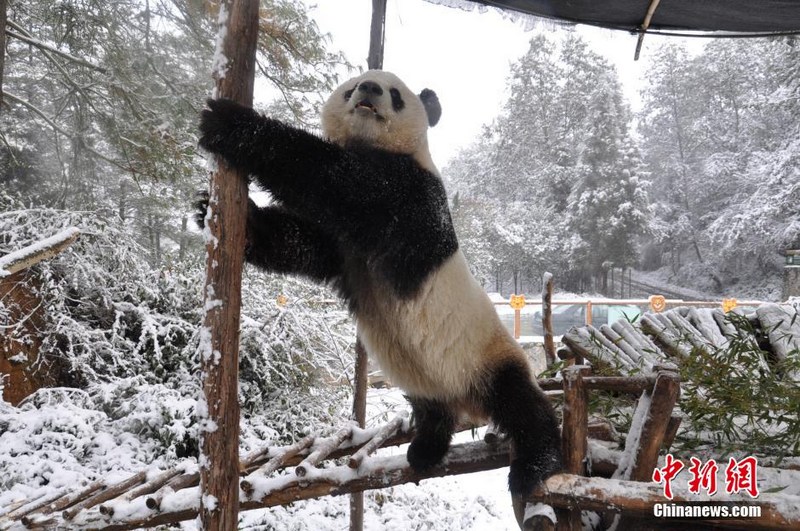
370,87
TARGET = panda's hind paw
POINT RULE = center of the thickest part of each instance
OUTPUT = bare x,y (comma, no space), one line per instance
422,454
526,474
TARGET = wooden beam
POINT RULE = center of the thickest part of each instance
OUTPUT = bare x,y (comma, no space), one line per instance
650,439
234,73
375,473
646,24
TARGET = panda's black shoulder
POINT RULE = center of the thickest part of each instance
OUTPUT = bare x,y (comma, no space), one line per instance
411,232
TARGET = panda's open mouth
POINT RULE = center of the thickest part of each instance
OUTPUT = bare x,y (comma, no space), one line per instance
367,106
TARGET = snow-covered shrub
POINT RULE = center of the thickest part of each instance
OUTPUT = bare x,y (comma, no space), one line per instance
107,314
126,336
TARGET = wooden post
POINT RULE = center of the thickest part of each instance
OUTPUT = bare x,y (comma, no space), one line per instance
547,319
588,312
651,437
517,323
374,62
574,435
360,416
234,72
376,34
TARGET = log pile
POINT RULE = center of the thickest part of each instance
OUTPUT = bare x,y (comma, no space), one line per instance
661,339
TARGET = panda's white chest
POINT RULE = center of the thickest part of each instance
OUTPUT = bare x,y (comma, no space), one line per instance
432,345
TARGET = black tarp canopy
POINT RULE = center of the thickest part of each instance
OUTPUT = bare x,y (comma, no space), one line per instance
734,16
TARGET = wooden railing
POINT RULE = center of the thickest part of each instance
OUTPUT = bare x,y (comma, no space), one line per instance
655,303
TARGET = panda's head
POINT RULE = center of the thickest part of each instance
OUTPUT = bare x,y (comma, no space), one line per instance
378,109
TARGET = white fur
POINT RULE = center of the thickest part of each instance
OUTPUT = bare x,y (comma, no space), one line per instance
439,344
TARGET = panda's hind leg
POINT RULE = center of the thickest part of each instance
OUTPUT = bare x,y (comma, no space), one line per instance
435,424
522,411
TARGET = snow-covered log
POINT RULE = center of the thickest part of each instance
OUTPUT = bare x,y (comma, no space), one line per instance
782,325
36,252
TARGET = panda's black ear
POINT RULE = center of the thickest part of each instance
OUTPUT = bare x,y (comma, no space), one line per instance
432,106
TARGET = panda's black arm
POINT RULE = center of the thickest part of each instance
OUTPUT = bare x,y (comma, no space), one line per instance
299,167
282,242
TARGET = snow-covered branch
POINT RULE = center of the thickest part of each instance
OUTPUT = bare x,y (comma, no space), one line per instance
36,252
22,35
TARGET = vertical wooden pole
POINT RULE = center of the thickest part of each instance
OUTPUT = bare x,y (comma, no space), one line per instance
547,319
574,435
517,323
234,72
376,34
374,62
360,416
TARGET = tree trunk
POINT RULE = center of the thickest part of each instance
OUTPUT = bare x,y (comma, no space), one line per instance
184,238
2,47
219,346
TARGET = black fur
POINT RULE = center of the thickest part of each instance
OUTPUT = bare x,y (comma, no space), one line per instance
387,213
432,106
370,88
397,100
521,410
435,425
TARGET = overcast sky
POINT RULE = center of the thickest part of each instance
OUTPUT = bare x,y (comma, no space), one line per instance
463,56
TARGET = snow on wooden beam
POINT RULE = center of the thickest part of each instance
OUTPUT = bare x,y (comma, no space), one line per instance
36,252
374,473
635,499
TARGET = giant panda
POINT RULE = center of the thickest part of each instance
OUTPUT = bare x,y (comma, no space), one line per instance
365,210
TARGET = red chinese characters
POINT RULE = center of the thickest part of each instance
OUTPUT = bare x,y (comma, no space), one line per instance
741,476
667,474
704,476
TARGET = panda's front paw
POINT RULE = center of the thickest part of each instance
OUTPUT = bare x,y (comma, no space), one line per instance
223,124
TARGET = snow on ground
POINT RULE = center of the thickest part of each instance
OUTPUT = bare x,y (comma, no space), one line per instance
763,287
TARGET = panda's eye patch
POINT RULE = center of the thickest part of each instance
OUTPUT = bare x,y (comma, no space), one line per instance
349,93
397,100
